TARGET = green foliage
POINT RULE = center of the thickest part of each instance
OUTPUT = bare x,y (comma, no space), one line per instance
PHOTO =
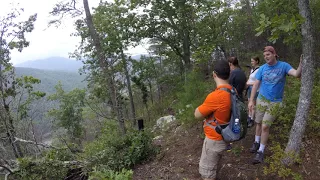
15,33
277,167
59,154
142,87
237,150
313,126
69,114
20,85
286,113
110,156
116,152
144,73
46,169
282,20
107,174
192,94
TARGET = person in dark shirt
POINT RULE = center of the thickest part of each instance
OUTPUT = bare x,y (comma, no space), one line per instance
237,78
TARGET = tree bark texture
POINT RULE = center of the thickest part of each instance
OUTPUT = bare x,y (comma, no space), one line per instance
308,50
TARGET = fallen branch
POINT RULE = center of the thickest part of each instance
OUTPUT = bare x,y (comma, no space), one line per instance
6,168
4,164
67,164
35,143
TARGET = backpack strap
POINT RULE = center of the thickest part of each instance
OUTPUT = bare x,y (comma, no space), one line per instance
255,69
219,126
227,89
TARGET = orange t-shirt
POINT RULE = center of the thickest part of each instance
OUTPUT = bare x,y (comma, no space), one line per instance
217,102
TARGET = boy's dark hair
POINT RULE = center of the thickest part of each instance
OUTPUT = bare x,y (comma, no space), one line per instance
233,60
222,69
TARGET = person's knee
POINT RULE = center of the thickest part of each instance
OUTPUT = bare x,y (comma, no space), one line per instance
265,128
258,125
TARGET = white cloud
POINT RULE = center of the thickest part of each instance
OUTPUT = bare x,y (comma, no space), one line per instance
46,42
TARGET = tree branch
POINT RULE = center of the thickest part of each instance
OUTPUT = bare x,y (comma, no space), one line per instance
6,168
33,142
171,45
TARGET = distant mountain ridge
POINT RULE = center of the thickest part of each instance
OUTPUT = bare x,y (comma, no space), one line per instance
49,79
59,63
53,63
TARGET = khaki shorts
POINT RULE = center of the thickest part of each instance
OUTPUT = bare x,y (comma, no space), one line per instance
264,111
210,156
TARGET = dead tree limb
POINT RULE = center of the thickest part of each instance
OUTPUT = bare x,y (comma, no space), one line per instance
33,142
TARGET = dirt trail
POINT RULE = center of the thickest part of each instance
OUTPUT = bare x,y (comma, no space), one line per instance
180,155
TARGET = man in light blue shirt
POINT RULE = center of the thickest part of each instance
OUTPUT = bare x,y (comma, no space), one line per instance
271,78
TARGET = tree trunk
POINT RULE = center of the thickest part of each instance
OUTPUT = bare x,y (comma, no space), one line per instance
186,52
102,62
148,112
150,89
159,92
7,119
121,118
308,50
10,130
133,110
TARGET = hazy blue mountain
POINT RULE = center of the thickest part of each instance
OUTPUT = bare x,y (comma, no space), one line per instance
53,63
49,79
138,56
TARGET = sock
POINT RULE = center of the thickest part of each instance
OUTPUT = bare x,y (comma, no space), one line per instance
257,139
261,148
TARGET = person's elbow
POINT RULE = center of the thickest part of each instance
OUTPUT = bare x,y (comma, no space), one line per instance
256,83
295,73
197,114
298,75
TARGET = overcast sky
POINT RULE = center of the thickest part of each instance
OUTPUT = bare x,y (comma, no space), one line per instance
47,42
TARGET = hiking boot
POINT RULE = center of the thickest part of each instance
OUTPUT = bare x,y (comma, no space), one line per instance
229,147
250,122
255,147
258,158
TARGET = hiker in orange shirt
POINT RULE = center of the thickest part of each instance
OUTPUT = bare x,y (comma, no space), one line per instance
216,105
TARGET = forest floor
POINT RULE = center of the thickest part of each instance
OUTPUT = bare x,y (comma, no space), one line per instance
180,154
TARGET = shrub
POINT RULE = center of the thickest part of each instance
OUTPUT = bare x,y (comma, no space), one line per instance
191,96
30,168
116,152
276,166
110,174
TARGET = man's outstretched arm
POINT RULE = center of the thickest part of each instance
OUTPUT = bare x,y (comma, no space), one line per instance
296,72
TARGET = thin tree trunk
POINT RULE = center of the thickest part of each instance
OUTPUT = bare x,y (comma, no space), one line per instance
133,110
8,121
103,63
148,112
150,89
101,57
308,50
121,118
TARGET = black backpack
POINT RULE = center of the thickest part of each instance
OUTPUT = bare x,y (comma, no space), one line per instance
238,111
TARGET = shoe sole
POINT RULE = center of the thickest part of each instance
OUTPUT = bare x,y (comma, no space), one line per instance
256,162
251,151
